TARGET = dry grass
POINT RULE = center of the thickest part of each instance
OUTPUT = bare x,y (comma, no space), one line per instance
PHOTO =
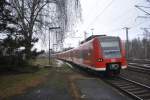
12,84
43,61
15,84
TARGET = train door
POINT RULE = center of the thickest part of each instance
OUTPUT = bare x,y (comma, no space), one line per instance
87,55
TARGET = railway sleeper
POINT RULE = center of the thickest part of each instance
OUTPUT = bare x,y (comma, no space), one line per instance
128,87
140,91
119,82
145,96
134,89
123,85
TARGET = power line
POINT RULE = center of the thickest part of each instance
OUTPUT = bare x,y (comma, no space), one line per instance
139,7
122,17
143,6
113,30
134,26
101,12
117,18
126,13
96,5
144,17
117,29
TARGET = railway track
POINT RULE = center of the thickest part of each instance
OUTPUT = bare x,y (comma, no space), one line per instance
146,66
139,68
142,61
137,90
134,89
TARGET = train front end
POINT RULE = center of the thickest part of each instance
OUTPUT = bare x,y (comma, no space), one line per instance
111,55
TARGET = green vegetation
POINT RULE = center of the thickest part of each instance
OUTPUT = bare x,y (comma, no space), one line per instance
59,76
43,61
17,28
19,78
18,83
56,79
66,68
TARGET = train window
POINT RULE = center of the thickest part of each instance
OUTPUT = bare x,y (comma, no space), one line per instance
109,45
111,48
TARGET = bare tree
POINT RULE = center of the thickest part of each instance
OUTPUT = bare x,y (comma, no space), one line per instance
28,15
30,19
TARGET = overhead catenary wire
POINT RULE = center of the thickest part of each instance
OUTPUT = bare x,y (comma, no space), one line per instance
121,17
100,14
120,28
124,14
143,6
113,30
139,7
134,25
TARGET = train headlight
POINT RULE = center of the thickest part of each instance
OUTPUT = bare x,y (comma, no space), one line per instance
99,59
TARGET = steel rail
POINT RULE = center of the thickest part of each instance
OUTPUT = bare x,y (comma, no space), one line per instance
139,69
141,66
130,87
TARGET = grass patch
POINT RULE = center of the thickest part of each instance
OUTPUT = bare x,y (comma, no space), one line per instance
32,66
57,79
66,68
43,61
15,84
58,76
12,70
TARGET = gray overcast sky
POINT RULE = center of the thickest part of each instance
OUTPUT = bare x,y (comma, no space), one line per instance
109,17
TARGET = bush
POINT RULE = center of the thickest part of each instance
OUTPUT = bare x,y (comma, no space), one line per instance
12,60
16,64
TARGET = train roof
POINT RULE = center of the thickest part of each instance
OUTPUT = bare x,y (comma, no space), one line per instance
91,37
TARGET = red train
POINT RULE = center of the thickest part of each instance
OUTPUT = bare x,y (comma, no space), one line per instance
100,53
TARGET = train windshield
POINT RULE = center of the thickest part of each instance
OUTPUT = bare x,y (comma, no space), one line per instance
111,47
